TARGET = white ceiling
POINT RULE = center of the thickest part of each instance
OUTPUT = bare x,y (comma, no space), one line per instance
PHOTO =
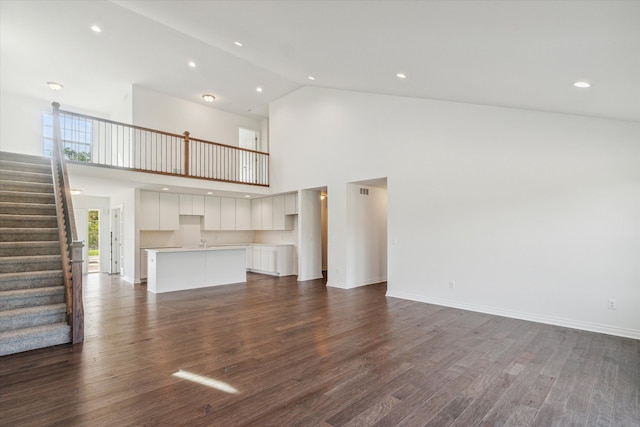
522,54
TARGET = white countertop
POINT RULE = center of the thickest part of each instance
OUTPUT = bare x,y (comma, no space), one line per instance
199,249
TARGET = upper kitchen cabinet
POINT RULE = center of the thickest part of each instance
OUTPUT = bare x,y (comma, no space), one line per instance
169,212
211,213
243,214
227,213
291,204
159,211
191,205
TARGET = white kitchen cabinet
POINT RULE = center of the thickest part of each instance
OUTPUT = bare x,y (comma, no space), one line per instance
291,204
149,218
267,213
256,214
169,212
211,213
249,252
191,205
159,211
256,257
243,214
276,260
143,265
186,204
198,205
227,213
278,213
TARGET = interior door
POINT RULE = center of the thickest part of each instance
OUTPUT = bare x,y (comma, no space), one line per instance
115,241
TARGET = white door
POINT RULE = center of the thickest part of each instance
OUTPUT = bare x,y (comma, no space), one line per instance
115,241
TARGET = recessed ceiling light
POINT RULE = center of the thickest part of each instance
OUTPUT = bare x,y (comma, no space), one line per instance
209,192
76,192
246,195
311,78
192,64
208,97
54,85
582,85
258,89
96,29
401,76
238,44
165,189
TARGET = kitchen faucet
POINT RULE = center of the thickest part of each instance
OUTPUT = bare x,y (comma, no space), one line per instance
204,243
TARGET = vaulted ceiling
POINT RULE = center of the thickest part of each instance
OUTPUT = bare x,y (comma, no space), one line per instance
520,54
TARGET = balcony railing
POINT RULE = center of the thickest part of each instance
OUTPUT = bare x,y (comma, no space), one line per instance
106,143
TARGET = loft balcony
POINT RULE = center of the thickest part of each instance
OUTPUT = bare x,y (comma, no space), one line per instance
94,141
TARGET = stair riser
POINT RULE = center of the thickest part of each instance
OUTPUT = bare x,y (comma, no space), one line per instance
34,341
24,167
29,222
31,301
32,266
25,251
30,320
23,176
11,285
34,209
12,197
27,187
9,236
24,158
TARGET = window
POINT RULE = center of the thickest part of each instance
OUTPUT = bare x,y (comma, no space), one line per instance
76,137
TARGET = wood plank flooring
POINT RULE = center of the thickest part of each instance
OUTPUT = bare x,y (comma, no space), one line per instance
301,354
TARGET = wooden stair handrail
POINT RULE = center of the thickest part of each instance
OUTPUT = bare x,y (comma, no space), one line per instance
71,248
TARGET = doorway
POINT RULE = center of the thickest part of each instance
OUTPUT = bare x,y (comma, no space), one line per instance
366,237
93,241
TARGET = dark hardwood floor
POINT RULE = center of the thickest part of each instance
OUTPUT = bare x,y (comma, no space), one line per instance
301,354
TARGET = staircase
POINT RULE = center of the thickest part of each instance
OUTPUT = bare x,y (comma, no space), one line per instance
32,293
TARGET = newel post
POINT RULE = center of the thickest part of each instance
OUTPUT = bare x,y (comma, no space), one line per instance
77,321
186,153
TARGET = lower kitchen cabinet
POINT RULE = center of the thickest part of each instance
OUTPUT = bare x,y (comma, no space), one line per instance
277,260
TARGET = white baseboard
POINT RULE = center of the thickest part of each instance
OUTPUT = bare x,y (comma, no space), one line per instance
550,320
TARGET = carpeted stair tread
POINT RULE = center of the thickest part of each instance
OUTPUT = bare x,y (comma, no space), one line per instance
28,221
19,197
13,208
19,340
51,247
31,280
21,293
26,176
27,317
27,187
19,298
9,234
24,158
14,264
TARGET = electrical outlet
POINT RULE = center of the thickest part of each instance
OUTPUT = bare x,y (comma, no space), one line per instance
452,285
612,304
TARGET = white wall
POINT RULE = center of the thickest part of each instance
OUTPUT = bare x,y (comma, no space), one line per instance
123,112
366,237
163,112
533,215
127,200
21,123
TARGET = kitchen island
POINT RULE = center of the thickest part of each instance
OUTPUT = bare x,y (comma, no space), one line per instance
177,269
